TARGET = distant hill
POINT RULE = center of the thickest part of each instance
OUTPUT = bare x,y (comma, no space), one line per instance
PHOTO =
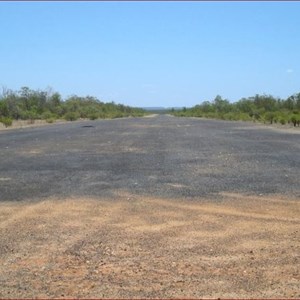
153,108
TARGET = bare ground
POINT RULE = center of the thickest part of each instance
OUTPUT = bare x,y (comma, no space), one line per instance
149,208
19,124
142,247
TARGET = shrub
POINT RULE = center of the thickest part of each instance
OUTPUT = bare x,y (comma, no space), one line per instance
6,121
270,117
116,115
71,116
50,120
93,117
30,116
282,121
198,115
244,117
295,119
47,115
230,116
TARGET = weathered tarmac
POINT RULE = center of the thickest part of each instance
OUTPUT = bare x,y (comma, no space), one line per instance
162,156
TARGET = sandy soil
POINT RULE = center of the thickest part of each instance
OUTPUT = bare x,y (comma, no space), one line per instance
133,247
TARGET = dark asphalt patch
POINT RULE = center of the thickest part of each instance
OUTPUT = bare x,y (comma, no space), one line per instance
162,156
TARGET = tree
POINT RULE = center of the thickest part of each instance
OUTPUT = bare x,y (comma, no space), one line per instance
221,105
4,112
270,116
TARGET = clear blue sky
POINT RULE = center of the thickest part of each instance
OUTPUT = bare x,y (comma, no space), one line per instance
152,53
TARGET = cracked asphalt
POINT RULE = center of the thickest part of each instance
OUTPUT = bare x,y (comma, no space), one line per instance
162,156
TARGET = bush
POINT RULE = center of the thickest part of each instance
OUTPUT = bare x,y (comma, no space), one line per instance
198,114
50,120
6,121
71,116
295,119
282,121
117,115
30,116
230,116
47,115
93,117
270,117
244,117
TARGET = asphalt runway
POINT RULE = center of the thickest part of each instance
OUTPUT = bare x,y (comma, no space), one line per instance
162,156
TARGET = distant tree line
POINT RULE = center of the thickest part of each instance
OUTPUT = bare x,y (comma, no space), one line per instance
31,105
262,108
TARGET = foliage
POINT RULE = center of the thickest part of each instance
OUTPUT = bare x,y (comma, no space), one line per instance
27,104
6,121
71,116
263,108
50,120
295,119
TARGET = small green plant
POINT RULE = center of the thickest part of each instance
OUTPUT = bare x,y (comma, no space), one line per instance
6,121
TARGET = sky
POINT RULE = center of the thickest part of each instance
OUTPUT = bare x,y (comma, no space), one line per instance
147,54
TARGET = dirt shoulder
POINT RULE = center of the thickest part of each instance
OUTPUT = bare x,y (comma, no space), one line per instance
142,247
17,124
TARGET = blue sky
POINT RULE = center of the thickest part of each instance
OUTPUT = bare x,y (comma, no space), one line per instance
152,53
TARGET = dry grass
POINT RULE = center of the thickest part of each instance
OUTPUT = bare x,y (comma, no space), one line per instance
17,124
